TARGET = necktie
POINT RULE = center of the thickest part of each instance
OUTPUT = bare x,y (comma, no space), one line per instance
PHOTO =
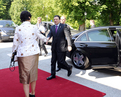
56,29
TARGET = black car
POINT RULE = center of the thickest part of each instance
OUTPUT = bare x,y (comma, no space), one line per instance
7,29
97,48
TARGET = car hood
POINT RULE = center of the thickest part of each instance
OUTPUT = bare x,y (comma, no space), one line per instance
8,30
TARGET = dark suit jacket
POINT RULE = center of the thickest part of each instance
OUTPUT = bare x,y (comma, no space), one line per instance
61,39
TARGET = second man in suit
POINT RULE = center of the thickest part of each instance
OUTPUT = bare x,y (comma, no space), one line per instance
60,44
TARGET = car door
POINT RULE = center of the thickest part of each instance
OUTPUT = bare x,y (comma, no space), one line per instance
118,42
98,45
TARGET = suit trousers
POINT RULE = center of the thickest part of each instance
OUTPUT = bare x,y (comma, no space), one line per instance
61,65
42,46
60,58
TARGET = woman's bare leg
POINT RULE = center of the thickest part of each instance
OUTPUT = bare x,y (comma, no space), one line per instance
26,89
33,85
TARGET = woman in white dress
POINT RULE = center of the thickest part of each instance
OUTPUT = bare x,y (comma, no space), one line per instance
26,45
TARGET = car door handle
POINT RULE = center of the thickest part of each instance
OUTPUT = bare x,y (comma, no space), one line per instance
83,45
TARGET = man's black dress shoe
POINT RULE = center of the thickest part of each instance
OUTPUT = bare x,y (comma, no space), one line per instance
51,77
58,69
69,71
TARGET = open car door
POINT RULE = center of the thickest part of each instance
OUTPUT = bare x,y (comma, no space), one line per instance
118,42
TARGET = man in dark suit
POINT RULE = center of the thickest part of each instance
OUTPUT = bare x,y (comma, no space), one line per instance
59,66
60,44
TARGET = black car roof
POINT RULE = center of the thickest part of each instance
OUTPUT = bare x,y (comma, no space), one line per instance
104,27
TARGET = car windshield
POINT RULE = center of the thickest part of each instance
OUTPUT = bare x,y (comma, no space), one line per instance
6,24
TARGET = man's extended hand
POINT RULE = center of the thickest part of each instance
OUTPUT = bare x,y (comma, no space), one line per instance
69,48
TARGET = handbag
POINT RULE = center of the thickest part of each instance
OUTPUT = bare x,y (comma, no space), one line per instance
12,62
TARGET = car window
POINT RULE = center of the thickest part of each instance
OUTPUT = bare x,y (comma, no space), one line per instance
7,24
119,30
99,35
82,38
49,25
45,25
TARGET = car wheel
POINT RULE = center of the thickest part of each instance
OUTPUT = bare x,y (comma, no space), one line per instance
79,60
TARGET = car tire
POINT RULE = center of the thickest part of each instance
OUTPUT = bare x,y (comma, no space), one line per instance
79,60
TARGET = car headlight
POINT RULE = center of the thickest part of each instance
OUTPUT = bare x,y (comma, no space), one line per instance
3,32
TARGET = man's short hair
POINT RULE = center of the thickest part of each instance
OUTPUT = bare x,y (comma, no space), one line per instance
57,16
25,15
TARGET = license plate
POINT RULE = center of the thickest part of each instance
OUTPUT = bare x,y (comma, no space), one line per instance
11,36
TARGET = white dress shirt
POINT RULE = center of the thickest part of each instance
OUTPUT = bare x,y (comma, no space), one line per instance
57,26
25,39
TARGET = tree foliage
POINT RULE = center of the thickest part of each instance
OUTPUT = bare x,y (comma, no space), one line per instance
76,9
104,12
110,11
4,9
38,8
44,9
